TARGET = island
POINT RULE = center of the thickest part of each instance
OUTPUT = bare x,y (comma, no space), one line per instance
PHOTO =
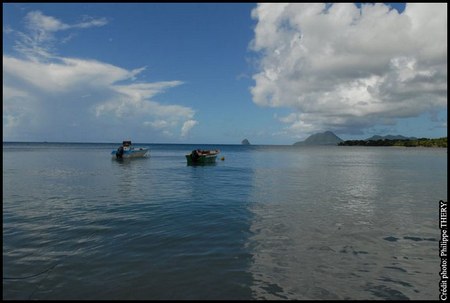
329,138
245,142
325,138
423,142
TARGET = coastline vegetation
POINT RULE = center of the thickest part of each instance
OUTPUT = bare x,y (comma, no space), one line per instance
423,142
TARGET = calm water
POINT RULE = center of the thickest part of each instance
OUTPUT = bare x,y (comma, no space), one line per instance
265,223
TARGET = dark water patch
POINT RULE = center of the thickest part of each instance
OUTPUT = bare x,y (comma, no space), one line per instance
396,268
386,279
321,248
323,294
350,249
386,293
413,238
355,275
275,289
417,239
390,239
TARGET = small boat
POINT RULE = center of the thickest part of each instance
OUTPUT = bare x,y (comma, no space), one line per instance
127,150
198,156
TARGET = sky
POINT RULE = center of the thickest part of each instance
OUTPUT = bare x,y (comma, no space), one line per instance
217,73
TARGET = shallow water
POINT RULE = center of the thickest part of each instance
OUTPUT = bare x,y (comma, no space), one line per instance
268,222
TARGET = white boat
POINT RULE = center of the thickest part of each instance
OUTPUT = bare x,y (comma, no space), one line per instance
127,150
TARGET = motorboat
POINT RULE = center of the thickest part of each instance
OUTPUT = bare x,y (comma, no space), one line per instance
127,150
198,156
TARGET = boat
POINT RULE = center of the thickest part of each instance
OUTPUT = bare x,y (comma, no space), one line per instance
127,150
198,156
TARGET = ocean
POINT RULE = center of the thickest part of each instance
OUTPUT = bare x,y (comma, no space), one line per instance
266,222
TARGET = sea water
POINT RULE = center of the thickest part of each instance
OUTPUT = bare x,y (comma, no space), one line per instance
267,222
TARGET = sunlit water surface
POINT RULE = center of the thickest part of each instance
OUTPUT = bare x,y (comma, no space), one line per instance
267,222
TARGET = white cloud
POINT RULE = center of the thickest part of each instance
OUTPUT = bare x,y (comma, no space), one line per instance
90,22
85,92
59,98
187,126
338,67
38,41
158,124
63,73
36,21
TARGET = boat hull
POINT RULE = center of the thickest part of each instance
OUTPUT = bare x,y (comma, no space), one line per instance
134,153
204,159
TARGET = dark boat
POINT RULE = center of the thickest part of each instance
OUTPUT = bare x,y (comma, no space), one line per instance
198,156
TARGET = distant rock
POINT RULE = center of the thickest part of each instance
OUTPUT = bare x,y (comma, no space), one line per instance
390,137
326,138
245,142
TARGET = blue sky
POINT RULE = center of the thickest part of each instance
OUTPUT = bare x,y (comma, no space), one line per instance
220,72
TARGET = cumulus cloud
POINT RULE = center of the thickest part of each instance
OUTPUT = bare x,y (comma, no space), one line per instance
187,127
346,68
59,98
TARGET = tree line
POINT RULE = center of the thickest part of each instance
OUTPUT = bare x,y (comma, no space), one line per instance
425,142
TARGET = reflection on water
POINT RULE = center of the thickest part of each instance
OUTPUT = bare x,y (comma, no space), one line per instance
266,223
320,231
134,229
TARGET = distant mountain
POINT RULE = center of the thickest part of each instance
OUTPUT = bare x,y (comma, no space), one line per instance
326,138
390,137
245,142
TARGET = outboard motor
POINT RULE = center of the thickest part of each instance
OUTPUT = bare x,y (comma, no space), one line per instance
119,152
195,155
